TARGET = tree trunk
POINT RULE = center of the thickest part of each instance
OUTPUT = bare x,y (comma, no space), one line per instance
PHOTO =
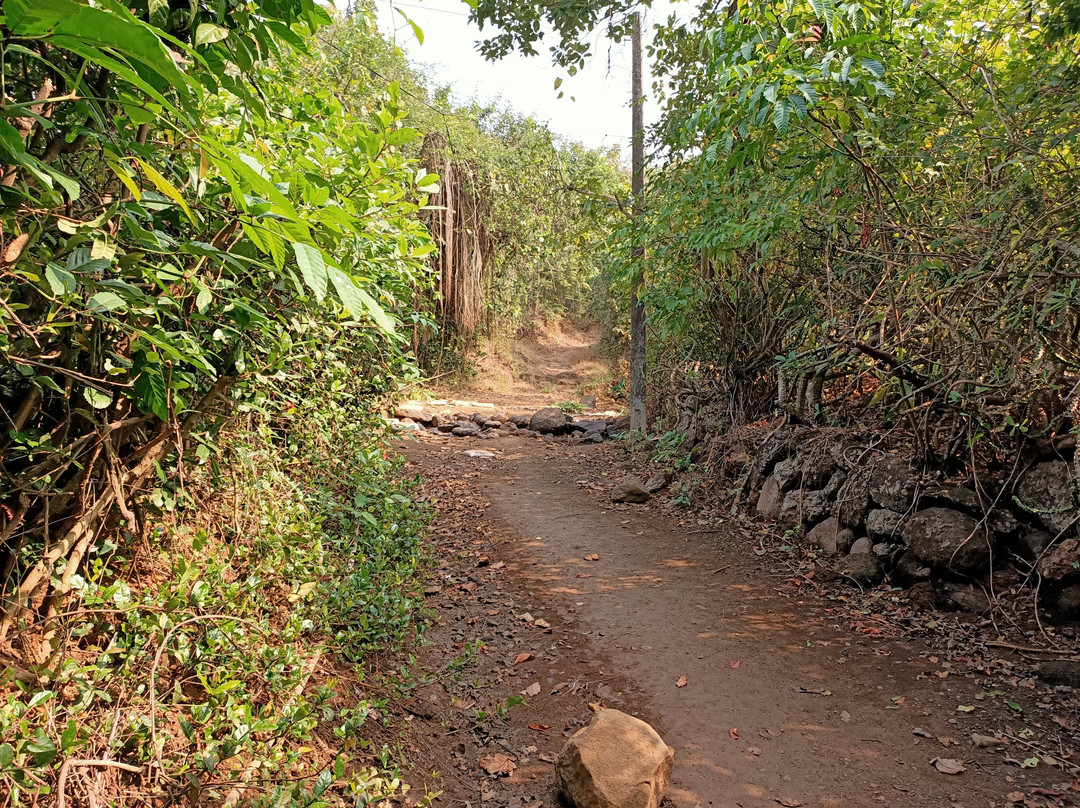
637,309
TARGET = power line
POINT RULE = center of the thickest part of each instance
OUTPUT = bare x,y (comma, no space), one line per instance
393,4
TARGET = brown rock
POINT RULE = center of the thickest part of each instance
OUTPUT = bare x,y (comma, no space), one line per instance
771,499
658,482
830,537
417,414
1060,561
630,489
550,421
618,761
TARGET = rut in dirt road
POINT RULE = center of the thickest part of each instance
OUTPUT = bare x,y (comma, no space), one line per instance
785,701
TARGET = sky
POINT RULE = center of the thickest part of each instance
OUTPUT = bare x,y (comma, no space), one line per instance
598,115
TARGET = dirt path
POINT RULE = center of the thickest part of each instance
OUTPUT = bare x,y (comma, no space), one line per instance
793,696
538,370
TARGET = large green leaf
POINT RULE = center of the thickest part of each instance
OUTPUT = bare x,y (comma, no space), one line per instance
312,268
356,301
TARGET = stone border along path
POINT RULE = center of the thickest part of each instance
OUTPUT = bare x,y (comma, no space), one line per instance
550,422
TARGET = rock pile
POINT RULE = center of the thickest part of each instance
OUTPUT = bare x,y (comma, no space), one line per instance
887,521
495,424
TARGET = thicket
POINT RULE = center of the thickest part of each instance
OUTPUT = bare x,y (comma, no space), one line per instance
200,530
520,210
856,210
870,210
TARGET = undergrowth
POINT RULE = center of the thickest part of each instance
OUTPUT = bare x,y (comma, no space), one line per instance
220,650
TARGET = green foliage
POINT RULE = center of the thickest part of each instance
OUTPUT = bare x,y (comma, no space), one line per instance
546,202
872,197
322,558
197,260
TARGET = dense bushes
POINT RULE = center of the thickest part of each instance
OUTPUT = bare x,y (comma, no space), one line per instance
197,516
877,209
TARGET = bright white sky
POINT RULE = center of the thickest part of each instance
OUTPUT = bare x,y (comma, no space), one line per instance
600,113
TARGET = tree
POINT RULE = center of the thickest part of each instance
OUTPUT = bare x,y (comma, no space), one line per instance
520,25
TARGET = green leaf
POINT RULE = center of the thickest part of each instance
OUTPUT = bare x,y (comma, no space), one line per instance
356,301
7,755
312,268
96,399
417,30
159,13
152,392
60,280
322,782
208,34
781,115
106,301
873,66
165,187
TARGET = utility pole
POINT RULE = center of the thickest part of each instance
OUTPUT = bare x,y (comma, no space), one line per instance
637,309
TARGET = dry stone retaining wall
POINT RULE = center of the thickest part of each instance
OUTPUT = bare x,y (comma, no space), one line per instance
883,519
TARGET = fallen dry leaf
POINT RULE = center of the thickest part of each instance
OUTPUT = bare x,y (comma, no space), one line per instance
788,803
734,733
523,657
498,763
584,575
542,623
540,727
532,690
592,557
736,663
845,715
680,682
984,741
949,765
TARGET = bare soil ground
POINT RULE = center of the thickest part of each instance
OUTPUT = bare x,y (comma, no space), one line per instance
795,694
537,370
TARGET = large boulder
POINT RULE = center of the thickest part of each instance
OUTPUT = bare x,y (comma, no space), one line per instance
862,567
775,448
549,421
946,538
413,413
950,596
891,484
788,473
587,426
630,489
1048,491
520,421
658,481
618,761
853,499
1060,561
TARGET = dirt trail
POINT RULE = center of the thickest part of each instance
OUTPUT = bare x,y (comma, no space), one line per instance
537,370
787,700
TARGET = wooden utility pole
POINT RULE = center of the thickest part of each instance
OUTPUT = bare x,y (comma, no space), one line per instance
637,309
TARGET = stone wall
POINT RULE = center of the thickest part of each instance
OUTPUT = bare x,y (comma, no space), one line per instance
882,519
